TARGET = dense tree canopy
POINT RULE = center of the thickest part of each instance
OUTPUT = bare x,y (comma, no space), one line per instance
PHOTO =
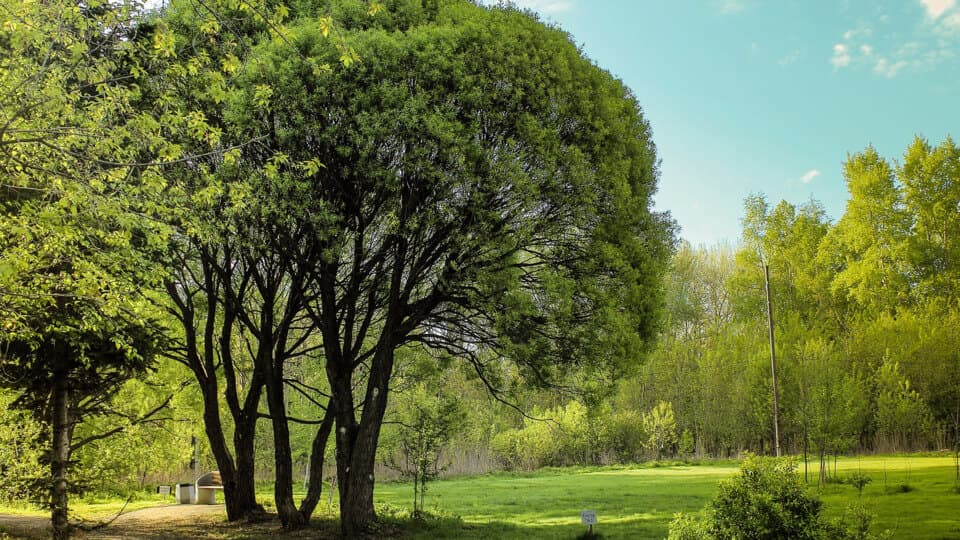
472,185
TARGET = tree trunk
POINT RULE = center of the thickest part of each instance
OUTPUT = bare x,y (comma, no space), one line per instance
317,456
823,469
246,505
239,487
356,493
806,444
290,516
357,446
60,453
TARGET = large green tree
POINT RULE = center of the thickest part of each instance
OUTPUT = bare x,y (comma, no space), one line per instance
481,189
931,193
867,247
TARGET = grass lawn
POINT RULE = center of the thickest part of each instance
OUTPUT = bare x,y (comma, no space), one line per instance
913,497
640,502
630,502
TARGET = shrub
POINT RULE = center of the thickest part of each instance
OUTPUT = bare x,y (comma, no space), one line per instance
567,437
765,500
768,501
688,527
625,434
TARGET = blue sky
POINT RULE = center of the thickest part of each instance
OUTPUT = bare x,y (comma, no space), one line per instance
747,96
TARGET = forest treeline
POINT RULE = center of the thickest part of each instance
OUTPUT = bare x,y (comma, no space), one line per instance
866,323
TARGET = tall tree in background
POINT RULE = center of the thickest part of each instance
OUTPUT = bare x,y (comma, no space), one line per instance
931,194
867,247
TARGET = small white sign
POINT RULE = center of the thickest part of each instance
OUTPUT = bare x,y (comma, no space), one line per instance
164,490
588,517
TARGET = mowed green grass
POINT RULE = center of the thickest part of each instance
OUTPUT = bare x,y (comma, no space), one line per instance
930,510
640,502
631,502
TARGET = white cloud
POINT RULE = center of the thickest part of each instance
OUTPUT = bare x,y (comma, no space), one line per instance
809,175
952,21
888,69
841,56
933,42
936,8
861,31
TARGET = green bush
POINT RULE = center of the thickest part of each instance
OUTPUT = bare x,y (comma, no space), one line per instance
768,501
625,435
688,527
566,435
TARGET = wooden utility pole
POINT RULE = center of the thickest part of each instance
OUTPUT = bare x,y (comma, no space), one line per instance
773,363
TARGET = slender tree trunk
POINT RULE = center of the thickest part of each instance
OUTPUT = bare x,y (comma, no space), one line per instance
823,469
60,453
806,444
290,516
317,456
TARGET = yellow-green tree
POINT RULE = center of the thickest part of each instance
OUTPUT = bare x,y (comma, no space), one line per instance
76,252
661,428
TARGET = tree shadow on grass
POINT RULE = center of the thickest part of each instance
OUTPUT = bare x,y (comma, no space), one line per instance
396,525
638,527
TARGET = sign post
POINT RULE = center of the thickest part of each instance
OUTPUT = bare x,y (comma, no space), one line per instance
588,518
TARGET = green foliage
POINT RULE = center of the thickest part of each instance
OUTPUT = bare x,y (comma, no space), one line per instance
858,480
765,500
661,428
428,422
76,253
689,527
559,436
869,240
625,435
902,415
856,523
21,470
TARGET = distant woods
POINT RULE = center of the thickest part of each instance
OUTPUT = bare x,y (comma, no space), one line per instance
867,326
867,319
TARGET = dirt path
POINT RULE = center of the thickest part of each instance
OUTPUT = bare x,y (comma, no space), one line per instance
171,521
175,521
